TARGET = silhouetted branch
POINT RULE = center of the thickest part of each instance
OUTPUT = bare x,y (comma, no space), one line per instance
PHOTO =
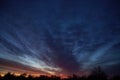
96,74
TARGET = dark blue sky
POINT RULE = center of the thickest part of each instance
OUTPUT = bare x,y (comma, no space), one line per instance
59,36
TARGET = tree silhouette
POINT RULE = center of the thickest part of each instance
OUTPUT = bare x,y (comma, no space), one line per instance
97,74
116,77
30,77
9,76
22,76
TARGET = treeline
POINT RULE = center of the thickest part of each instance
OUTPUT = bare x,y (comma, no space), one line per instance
96,74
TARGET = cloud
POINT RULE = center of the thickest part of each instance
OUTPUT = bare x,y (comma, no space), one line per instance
59,36
18,67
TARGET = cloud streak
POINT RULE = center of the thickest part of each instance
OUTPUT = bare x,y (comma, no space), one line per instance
59,37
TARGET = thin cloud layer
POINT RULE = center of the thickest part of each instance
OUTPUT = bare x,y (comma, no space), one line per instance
58,36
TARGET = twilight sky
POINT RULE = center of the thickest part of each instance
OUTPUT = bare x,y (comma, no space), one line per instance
59,37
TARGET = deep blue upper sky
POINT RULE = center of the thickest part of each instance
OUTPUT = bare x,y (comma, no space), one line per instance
59,36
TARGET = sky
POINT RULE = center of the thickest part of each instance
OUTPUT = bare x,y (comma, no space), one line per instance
59,37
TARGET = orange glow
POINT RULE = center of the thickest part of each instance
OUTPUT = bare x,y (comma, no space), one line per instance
1,75
17,74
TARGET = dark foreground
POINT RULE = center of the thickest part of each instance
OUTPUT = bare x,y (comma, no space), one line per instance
96,74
